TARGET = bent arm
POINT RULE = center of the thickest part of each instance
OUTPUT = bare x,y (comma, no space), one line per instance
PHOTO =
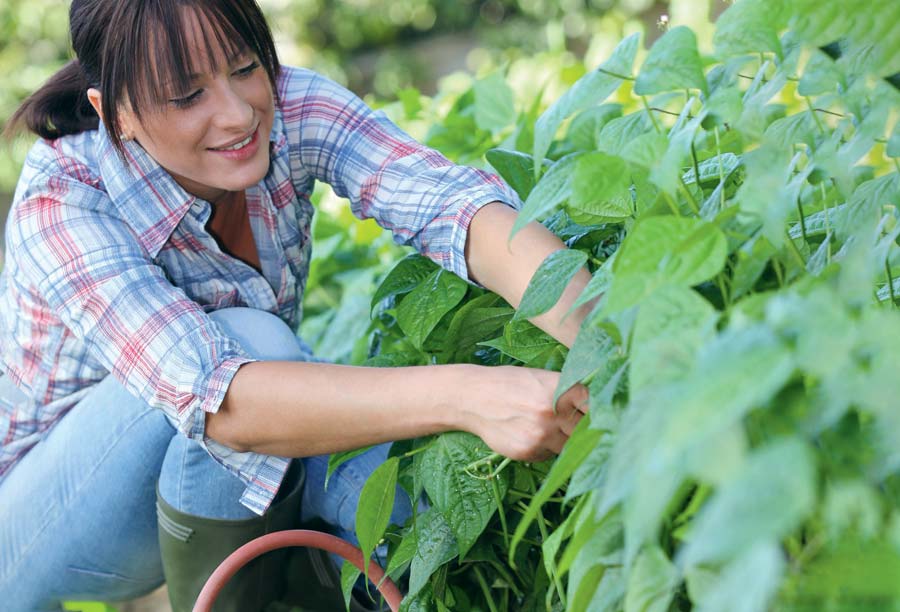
300,409
507,267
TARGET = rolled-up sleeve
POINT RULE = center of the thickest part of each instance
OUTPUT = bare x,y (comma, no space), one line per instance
147,333
415,192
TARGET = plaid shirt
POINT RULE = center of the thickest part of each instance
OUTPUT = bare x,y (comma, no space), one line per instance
110,270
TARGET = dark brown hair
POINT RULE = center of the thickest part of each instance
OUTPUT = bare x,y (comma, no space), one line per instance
137,50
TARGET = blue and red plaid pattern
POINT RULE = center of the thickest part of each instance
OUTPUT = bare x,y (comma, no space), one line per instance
109,268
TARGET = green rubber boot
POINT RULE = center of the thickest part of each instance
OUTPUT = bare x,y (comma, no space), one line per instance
192,547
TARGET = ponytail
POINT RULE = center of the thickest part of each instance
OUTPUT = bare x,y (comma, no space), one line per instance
59,108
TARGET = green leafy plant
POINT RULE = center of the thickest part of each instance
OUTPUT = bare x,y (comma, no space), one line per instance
738,212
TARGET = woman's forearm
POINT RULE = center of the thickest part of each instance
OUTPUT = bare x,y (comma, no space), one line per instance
507,267
299,409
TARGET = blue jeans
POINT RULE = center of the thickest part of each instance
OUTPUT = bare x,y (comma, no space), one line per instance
77,512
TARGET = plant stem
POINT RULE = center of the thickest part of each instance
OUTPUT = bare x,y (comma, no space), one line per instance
796,252
500,511
696,165
524,540
672,205
802,220
721,169
501,569
779,271
615,74
555,576
650,114
890,277
720,281
690,197
828,112
415,451
665,112
485,589
506,461
814,115
825,207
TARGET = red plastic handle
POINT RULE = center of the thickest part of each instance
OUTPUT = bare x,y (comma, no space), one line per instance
294,537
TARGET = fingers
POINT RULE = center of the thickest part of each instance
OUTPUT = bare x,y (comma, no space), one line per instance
571,407
556,442
576,398
568,424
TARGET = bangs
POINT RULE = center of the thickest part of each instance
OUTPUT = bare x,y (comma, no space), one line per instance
155,47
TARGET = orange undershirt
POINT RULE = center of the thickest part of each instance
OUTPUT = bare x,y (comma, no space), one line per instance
229,224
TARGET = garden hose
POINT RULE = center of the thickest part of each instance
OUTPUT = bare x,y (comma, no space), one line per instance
294,537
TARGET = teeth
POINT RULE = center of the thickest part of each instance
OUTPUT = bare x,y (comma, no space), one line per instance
239,145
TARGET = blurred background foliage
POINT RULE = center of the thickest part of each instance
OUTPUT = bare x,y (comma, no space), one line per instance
377,47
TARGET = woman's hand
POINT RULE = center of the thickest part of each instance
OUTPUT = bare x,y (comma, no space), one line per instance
511,409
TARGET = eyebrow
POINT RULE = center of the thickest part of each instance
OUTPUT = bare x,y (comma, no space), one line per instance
231,60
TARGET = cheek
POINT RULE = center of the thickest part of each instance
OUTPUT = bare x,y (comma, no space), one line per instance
174,137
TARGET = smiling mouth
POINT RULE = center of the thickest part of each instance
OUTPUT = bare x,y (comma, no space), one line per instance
238,145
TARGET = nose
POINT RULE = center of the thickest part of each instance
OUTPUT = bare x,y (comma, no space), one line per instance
233,112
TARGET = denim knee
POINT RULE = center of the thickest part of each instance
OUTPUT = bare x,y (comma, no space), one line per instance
262,334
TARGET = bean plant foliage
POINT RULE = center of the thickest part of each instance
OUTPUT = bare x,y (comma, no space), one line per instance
738,212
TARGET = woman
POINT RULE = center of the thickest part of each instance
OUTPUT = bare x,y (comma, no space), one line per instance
157,251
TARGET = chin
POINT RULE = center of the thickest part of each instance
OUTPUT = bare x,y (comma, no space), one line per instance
245,177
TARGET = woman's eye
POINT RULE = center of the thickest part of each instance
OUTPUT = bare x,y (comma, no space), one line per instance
187,100
249,68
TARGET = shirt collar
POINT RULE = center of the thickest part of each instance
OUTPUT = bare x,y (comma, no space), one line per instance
145,195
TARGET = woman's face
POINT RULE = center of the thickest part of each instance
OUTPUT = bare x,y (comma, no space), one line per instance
214,137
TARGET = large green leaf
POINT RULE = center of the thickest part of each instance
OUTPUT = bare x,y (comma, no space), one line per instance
435,545
609,593
335,460
516,168
525,342
425,306
376,503
851,575
749,26
549,281
820,76
595,545
799,128
475,321
618,134
738,371
466,501
670,327
710,169
590,90
771,495
665,426
593,349
664,250
404,277
672,64
651,582
600,190
553,189
747,584
585,127
349,575
494,106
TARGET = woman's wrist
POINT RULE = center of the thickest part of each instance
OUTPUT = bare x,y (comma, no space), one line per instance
448,394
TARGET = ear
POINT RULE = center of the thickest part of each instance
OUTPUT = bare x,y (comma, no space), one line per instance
93,95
